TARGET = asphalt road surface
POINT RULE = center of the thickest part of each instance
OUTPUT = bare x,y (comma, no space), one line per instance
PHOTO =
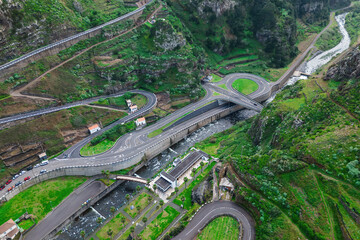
216,209
134,143
21,116
65,209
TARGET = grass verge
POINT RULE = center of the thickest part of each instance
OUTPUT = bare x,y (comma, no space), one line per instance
187,192
142,201
39,199
245,86
220,228
115,224
159,224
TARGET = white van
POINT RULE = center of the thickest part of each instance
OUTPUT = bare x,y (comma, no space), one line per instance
43,163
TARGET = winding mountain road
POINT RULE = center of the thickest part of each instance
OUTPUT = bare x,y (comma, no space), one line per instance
217,209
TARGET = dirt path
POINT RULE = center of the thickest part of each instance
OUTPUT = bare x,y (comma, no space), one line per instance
106,107
326,206
17,92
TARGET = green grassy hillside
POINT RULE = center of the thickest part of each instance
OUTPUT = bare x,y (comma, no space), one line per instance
299,162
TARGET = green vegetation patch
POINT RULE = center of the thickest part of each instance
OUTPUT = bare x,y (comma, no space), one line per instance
142,200
116,225
106,140
216,78
137,99
221,228
187,192
159,224
330,38
245,86
223,86
38,200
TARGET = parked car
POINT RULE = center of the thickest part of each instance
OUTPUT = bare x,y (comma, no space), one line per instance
8,182
15,177
43,163
10,188
27,178
18,183
29,168
2,187
37,165
43,171
22,172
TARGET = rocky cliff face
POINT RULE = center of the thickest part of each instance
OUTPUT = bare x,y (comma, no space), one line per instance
20,34
348,68
218,7
167,38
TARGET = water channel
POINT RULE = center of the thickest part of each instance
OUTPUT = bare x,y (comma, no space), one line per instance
88,221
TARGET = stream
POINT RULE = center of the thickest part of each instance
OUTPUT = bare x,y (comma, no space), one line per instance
116,198
87,221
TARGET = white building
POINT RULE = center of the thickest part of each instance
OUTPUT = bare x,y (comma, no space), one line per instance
140,122
94,128
133,108
8,230
128,102
168,180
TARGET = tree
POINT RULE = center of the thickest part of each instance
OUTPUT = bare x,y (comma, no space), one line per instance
144,220
123,220
194,171
185,180
82,234
128,95
99,220
154,187
127,196
202,165
149,198
109,232
138,188
176,190
183,199
112,209
161,202
138,208
107,174
132,230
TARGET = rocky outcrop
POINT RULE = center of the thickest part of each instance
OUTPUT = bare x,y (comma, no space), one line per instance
218,7
166,37
202,192
348,68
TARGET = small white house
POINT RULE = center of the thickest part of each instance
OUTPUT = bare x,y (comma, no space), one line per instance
133,108
94,128
128,102
8,230
140,122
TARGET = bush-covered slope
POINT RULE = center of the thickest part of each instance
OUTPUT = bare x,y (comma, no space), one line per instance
300,161
223,26
27,25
